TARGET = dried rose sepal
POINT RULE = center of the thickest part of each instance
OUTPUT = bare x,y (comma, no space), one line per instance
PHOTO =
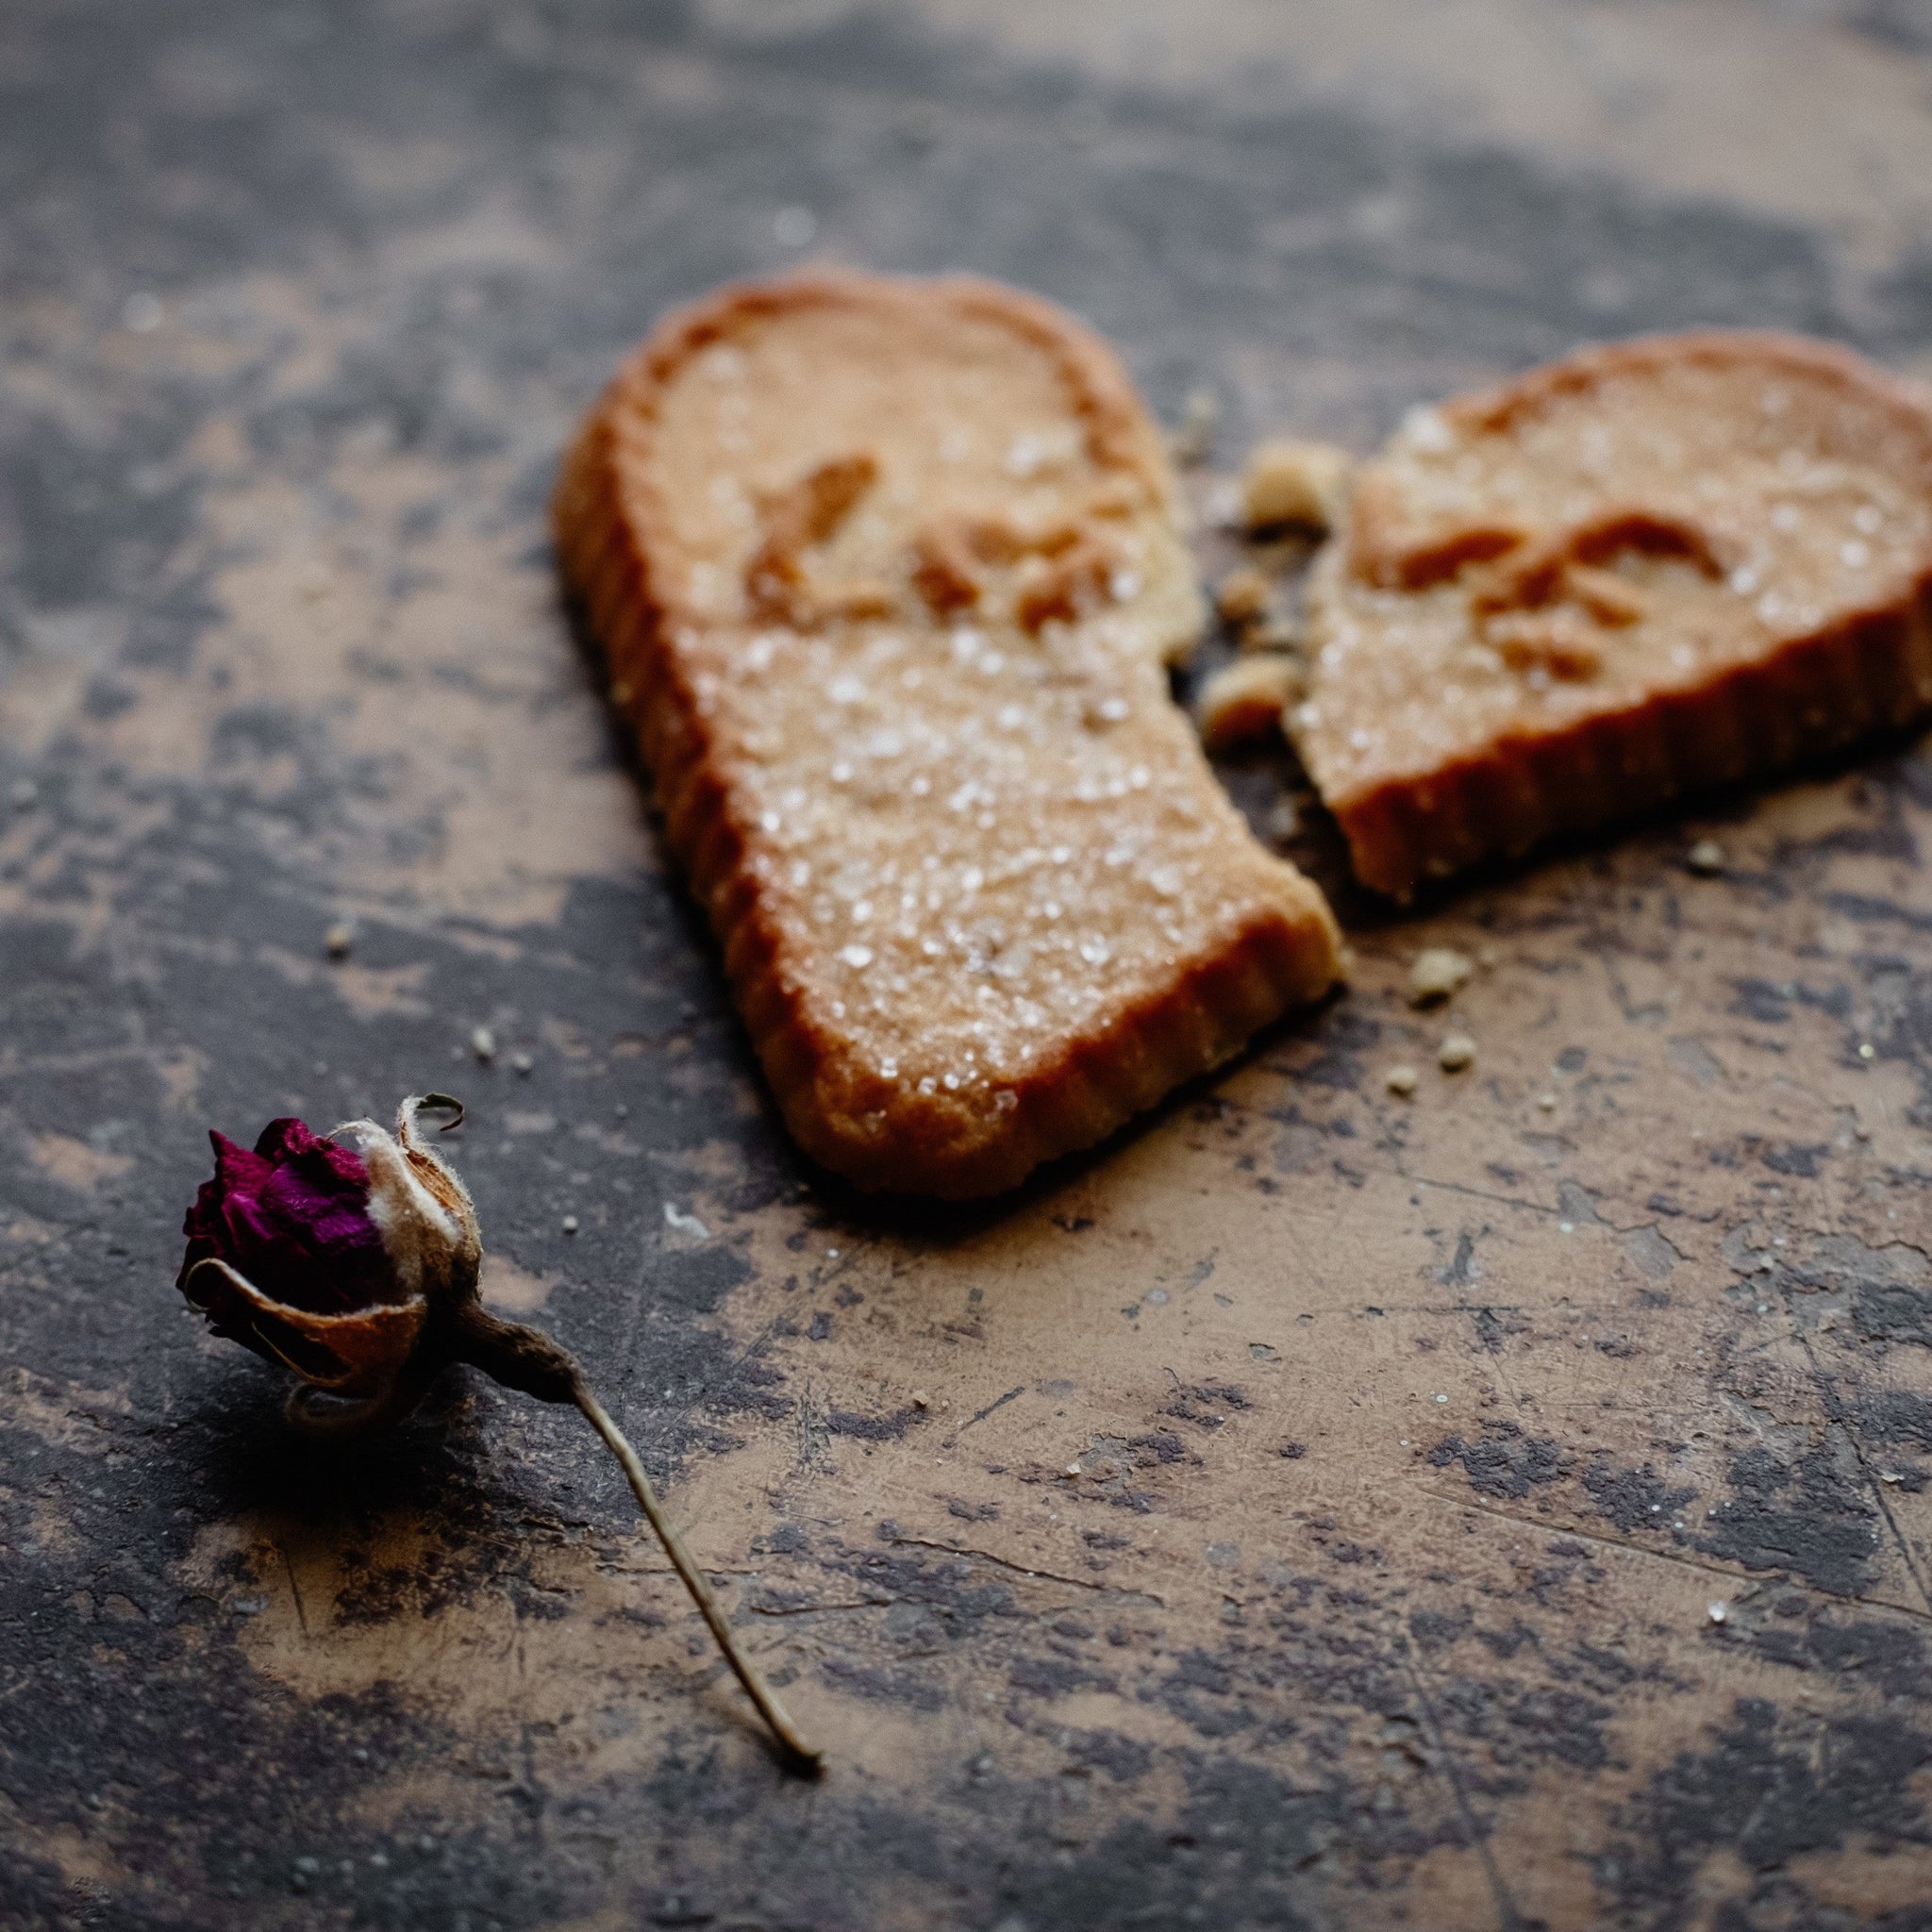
355,1356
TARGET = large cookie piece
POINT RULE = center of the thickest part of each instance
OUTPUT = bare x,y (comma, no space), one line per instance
887,575
1638,570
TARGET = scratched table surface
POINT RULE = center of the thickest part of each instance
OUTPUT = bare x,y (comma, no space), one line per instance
1504,1507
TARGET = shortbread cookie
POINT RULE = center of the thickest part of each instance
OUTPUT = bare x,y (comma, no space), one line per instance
887,575
1639,570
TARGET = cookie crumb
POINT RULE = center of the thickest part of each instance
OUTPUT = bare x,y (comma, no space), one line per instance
1221,507
483,1044
1705,859
1243,595
1437,973
1244,700
1455,1053
338,941
569,1223
521,1062
1400,1081
921,1399
681,1222
1547,1102
1272,632
1717,1613
1188,446
1293,482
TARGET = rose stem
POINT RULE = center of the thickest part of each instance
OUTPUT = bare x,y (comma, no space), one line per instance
748,1674
536,1363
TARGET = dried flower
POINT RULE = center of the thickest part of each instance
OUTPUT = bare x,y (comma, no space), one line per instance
331,1262
358,1270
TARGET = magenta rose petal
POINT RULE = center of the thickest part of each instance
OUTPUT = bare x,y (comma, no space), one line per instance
292,1216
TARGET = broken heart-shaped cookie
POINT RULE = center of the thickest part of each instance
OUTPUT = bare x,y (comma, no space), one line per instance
887,577
1634,573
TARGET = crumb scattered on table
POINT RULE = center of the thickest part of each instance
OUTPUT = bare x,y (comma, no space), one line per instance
1272,632
1706,858
1400,1081
1244,700
1437,973
1243,595
1293,482
1188,446
1455,1053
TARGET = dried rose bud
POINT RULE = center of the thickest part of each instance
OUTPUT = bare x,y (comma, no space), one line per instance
358,1267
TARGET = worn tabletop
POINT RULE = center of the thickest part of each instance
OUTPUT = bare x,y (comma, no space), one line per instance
1499,1507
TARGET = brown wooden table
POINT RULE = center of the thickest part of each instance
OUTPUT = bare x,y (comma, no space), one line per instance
1502,1507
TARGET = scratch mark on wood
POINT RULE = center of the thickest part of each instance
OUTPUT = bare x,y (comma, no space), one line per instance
1021,1569
987,1410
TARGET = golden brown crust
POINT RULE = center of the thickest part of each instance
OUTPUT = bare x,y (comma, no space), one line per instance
1500,409
1613,580
730,654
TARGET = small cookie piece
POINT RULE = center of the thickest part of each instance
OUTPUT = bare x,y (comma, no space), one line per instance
1439,974
1244,700
1290,482
1243,595
1189,444
887,575
1640,571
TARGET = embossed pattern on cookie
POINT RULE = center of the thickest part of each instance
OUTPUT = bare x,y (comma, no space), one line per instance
887,575
1634,573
